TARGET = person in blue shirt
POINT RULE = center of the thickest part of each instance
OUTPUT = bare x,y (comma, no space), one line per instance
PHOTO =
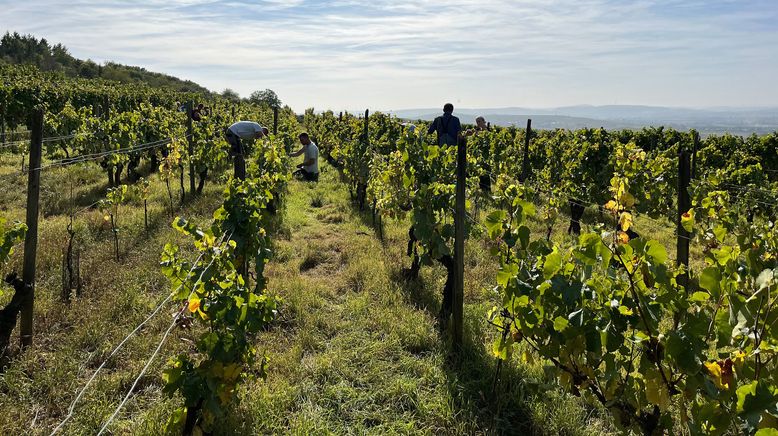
447,126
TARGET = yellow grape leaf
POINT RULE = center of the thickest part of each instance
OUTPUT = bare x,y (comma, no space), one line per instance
625,221
232,371
627,200
194,304
106,218
565,380
687,220
623,238
611,206
225,394
527,357
714,370
738,358
217,369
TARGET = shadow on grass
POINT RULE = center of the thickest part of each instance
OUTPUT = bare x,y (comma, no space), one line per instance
86,199
498,407
416,290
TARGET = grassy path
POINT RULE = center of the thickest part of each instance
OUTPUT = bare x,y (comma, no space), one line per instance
357,349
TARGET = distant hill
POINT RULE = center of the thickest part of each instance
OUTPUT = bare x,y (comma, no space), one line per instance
28,50
742,121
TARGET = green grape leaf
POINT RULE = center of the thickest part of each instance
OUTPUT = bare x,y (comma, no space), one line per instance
683,351
493,223
560,323
765,279
656,251
552,264
710,280
756,398
524,235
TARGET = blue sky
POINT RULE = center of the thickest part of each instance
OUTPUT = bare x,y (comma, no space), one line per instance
381,54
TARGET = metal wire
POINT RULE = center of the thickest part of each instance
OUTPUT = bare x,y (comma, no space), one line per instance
45,140
156,351
121,344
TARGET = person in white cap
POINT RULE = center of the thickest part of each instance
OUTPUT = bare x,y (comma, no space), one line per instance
410,126
243,130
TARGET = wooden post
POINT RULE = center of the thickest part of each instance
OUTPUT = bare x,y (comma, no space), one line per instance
362,186
695,145
31,239
239,164
340,117
275,121
190,141
367,129
525,163
367,124
106,114
684,203
459,244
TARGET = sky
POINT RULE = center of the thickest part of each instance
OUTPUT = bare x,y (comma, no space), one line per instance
388,54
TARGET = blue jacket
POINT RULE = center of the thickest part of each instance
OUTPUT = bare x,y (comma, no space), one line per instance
448,128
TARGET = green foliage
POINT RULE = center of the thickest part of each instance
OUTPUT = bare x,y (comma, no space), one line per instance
610,315
266,97
9,237
218,294
110,205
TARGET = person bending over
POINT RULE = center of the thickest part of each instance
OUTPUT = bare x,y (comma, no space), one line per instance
241,131
309,169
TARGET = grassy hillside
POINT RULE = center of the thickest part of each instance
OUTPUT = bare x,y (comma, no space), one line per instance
28,50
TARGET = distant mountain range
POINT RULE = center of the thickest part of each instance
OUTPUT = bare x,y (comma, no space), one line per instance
735,120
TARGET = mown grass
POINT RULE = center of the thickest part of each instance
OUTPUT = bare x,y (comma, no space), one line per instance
355,348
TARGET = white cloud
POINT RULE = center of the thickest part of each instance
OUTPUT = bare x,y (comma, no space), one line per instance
387,54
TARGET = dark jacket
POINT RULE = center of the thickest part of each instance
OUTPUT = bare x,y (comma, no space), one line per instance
448,127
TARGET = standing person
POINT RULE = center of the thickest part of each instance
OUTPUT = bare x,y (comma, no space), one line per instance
480,124
447,126
309,169
243,130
